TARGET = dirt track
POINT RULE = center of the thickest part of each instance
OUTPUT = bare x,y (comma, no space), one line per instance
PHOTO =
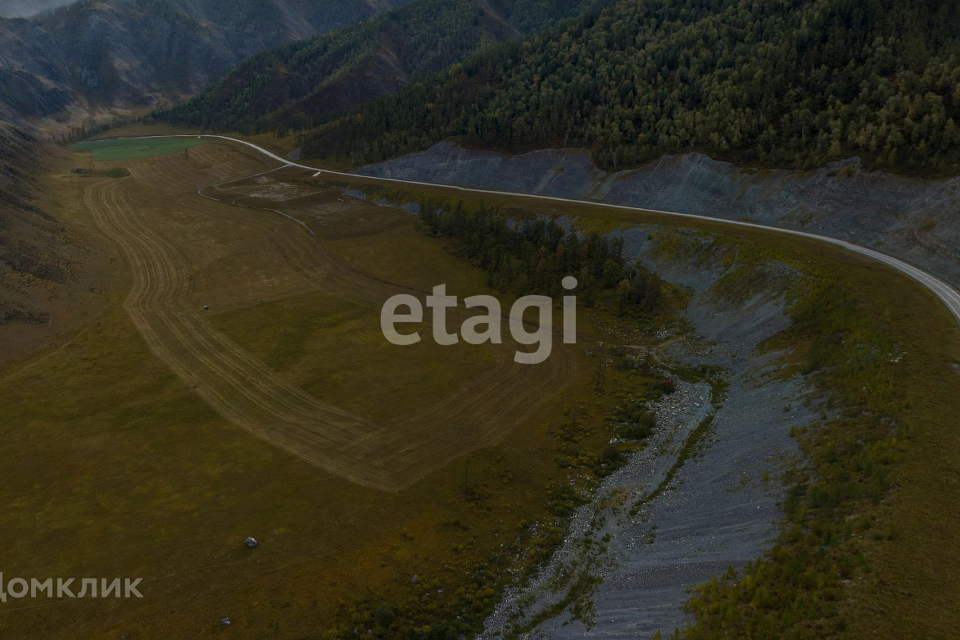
248,393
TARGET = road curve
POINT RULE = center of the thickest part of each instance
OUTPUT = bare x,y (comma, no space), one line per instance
946,293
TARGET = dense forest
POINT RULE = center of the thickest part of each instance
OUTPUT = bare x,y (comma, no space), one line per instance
777,82
531,255
303,84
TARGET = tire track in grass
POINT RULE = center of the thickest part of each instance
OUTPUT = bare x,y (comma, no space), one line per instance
242,389
248,393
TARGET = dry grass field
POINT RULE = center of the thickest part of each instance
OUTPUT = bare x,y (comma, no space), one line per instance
151,440
131,447
248,392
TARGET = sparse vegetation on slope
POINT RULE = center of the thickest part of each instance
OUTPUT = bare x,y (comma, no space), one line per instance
32,260
23,225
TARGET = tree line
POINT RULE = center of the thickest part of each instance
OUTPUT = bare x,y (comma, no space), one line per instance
531,255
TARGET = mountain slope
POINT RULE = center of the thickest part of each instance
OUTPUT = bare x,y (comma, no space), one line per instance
41,259
114,55
302,84
24,8
787,82
18,169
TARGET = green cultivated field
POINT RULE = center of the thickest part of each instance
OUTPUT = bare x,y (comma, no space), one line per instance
107,150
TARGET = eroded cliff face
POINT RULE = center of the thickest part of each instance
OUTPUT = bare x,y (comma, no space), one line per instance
916,220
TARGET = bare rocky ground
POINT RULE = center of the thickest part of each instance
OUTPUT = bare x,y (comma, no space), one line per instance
915,220
625,573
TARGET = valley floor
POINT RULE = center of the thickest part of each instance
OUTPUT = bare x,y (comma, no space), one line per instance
411,488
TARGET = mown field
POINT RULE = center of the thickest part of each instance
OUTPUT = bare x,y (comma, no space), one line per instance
121,463
121,469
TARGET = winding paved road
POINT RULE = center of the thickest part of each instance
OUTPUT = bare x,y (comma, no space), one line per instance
946,293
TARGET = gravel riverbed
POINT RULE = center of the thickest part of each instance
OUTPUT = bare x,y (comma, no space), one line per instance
719,509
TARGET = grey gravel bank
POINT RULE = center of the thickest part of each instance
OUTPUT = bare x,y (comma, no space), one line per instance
721,507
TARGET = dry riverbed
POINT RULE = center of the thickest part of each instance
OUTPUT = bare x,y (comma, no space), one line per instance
701,497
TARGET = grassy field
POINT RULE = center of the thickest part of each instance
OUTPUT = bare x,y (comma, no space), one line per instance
110,150
323,337
119,467
280,146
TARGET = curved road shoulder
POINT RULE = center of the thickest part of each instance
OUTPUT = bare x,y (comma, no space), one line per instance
943,291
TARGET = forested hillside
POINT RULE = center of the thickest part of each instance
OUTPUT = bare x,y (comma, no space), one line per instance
302,85
111,56
780,82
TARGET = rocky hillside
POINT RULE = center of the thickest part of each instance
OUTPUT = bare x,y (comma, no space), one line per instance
916,220
113,56
33,260
24,8
20,221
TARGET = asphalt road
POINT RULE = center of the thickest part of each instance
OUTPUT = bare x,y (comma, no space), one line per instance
947,294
